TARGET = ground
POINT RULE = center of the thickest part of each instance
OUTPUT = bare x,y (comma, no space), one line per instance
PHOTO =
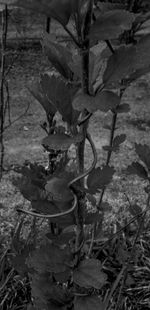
23,137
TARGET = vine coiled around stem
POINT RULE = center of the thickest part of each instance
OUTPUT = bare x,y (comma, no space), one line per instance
70,185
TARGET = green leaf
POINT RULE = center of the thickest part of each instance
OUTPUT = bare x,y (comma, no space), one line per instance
123,108
58,55
99,178
143,152
63,238
142,59
60,93
36,90
103,101
45,207
88,303
120,65
60,141
135,209
50,258
58,189
117,141
138,169
47,295
89,274
92,217
109,25
57,9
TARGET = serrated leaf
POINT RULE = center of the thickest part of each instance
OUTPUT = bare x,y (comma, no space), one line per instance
58,55
47,294
123,108
50,258
109,25
58,189
60,93
36,90
118,140
143,152
57,9
88,303
89,274
120,65
99,178
61,142
138,169
103,101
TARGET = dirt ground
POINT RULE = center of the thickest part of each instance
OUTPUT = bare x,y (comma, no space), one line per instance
23,137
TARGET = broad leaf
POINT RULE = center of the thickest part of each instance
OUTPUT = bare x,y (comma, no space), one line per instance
58,55
58,189
89,274
63,238
103,101
57,9
88,303
123,108
36,90
47,294
120,65
138,169
92,217
117,141
45,207
135,209
143,152
142,59
60,93
109,25
50,258
99,178
60,141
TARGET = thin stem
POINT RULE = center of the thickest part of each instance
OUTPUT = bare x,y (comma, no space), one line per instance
85,79
113,126
131,5
2,96
110,46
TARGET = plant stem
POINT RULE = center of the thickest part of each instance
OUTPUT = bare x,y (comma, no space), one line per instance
85,80
2,96
113,126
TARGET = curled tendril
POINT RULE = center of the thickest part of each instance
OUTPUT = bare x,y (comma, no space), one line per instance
81,176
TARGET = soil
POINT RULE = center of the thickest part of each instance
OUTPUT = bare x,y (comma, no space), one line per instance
23,137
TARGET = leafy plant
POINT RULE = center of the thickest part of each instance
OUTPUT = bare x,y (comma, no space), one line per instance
65,270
